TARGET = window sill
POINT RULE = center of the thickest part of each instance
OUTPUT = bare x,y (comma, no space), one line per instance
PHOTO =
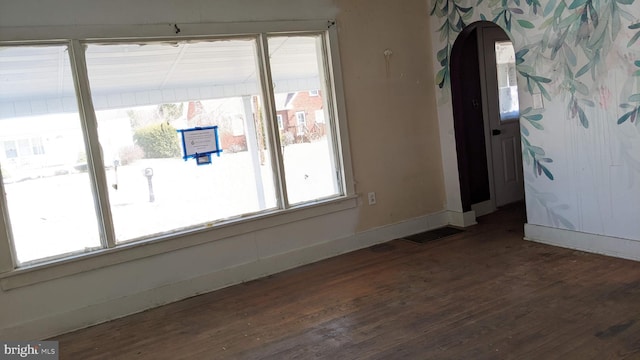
59,268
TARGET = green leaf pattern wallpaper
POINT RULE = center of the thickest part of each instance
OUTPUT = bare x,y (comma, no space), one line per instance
581,151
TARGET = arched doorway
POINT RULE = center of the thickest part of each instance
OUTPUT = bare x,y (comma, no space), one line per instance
485,110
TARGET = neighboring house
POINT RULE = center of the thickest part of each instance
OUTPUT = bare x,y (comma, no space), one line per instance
300,115
33,147
229,121
25,153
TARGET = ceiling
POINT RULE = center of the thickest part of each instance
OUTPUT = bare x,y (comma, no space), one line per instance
38,79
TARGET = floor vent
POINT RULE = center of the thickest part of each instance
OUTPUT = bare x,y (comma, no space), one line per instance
434,234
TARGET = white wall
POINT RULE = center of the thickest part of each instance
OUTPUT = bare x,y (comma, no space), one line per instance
117,12
394,146
594,187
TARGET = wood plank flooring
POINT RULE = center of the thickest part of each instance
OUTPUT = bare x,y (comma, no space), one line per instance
481,294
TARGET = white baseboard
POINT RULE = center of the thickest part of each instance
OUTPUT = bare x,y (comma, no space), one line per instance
461,219
93,314
483,208
599,244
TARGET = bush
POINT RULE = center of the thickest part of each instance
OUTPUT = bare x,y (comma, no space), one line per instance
158,141
287,138
130,154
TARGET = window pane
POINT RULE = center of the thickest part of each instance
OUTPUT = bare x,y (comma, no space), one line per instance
24,149
38,148
307,139
10,150
142,94
507,86
48,190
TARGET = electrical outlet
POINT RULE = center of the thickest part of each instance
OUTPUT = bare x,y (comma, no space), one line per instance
372,198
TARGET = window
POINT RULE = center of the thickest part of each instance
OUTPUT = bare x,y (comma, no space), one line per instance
180,195
36,146
43,204
319,116
134,185
24,147
238,124
10,150
507,85
301,121
311,165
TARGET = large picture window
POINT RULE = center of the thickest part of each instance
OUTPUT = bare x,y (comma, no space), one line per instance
49,197
298,69
113,173
142,93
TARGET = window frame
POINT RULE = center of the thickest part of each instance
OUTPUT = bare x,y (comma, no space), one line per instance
301,122
13,149
12,276
280,120
37,146
507,69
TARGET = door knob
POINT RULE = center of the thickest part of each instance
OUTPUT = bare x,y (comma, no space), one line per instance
495,132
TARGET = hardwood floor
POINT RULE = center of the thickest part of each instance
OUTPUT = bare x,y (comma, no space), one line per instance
482,294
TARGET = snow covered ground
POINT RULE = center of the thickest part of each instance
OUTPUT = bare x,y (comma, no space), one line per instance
56,215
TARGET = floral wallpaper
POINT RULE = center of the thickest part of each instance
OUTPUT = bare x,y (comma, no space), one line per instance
581,151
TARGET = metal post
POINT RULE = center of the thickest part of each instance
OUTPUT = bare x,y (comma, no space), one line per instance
148,172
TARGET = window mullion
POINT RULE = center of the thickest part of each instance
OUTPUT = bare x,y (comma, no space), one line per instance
95,160
270,112
337,106
332,141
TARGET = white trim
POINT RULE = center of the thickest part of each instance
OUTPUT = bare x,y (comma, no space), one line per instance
59,323
599,244
93,150
270,111
461,219
338,106
104,32
484,208
97,259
